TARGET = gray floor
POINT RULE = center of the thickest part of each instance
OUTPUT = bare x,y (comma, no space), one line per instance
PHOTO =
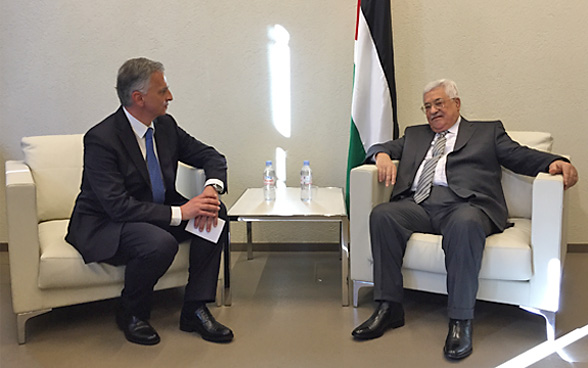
286,312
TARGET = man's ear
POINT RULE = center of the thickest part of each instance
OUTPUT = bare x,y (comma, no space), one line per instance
457,102
137,98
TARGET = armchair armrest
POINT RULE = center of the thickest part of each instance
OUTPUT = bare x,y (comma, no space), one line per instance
190,180
23,238
365,192
548,239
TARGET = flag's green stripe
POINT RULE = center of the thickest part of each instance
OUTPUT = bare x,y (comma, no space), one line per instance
355,157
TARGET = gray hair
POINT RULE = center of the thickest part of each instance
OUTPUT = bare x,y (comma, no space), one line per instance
448,85
135,75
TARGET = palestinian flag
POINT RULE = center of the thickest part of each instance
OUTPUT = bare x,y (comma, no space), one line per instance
373,109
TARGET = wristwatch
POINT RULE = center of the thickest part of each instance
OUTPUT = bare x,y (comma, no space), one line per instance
217,187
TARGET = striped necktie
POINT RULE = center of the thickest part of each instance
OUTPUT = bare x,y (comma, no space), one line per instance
424,186
157,186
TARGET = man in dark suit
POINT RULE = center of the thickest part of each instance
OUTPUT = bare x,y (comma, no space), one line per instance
129,213
447,182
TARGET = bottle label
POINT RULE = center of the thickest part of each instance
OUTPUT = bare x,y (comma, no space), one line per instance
268,180
306,180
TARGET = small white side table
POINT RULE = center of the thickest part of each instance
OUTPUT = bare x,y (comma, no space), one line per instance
327,205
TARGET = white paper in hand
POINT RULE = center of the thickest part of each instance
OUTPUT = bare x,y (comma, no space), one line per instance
212,236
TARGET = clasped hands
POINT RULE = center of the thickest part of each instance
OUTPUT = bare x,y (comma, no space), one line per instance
203,209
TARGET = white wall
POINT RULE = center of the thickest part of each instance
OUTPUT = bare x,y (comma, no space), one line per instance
521,62
59,61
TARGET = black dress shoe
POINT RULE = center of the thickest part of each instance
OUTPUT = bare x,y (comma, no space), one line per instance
137,330
387,315
458,344
201,321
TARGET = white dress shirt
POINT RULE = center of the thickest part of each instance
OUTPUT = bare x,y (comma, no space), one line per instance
440,177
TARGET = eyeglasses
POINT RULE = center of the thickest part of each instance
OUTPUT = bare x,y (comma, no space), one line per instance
438,103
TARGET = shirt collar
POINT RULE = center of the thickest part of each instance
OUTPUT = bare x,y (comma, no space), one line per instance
139,128
455,127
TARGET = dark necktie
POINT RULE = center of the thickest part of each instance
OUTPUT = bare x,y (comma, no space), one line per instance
154,170
426,180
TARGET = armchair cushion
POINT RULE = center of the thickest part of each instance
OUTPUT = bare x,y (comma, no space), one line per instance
538,140
507,256
56,164
61,266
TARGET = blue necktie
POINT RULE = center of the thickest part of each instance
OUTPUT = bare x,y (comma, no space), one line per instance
154,170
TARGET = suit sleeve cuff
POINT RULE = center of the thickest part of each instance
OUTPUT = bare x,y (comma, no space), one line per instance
560,158
176,218
372,158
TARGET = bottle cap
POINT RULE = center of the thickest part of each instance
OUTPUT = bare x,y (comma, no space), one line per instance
306,162
268,162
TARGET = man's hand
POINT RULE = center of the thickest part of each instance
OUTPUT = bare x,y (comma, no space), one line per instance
569,172
203,209
386,169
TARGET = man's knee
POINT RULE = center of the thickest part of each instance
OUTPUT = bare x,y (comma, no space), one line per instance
164,245
404,215
468,218
378,213
154,243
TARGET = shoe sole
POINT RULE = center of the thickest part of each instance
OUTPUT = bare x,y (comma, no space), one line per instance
227,338
141,342
458,357
392,325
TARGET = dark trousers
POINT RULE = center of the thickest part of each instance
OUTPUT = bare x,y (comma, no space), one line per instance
464,229
148,251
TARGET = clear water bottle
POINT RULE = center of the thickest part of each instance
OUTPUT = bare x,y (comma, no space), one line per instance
305,182
269,182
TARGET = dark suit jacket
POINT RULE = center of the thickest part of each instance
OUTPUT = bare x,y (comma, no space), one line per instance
473,168
115,185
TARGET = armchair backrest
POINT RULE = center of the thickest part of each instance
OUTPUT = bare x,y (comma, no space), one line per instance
518,189
56,163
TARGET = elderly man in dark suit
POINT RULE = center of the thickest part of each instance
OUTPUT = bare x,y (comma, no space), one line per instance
129,213
447,182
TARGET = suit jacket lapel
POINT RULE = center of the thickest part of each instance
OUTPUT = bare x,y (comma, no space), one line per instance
466,130
129,142
425,137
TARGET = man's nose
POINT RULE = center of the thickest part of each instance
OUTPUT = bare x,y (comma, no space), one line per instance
434,109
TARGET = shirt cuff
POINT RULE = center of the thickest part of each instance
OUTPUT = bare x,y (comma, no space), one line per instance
176,217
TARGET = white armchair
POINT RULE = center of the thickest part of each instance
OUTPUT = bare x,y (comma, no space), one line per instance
45,271
521,266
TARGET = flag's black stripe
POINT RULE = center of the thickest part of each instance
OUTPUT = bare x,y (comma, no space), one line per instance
378,17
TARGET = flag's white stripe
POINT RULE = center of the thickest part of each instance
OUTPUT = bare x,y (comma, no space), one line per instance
371,108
